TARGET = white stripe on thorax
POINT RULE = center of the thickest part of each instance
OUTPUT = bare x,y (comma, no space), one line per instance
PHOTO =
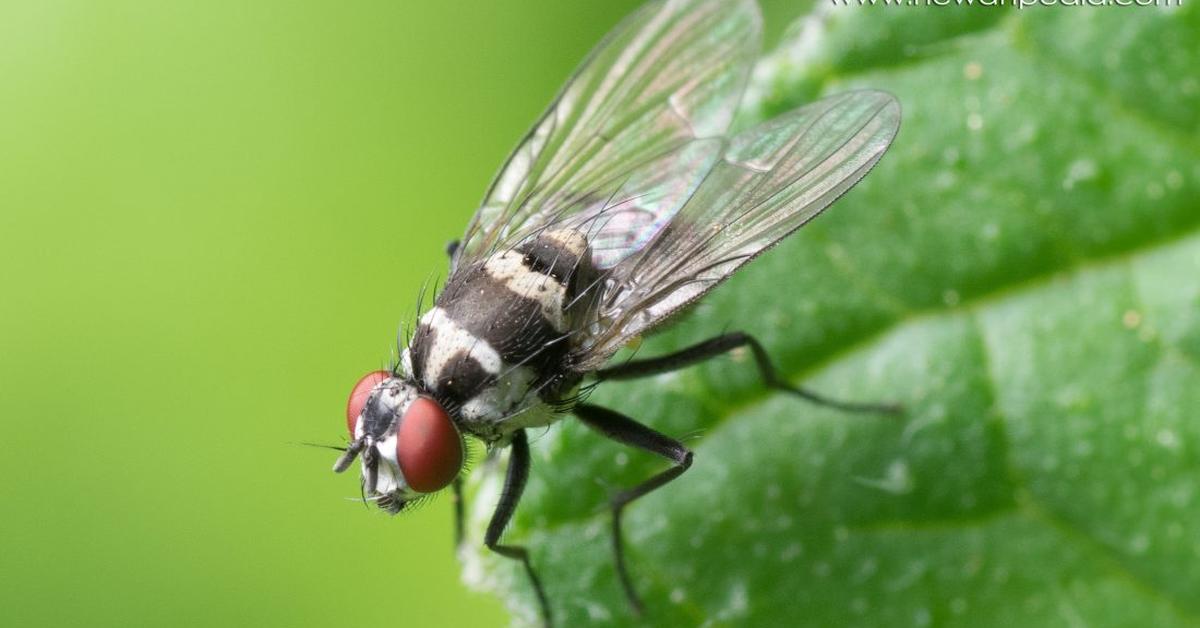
509,269
448,339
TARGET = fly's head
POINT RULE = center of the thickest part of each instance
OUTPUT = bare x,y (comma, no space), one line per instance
409,445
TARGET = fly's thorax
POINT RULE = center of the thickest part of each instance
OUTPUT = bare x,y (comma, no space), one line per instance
497,341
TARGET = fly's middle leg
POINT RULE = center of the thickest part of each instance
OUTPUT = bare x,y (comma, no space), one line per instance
724,343
625,430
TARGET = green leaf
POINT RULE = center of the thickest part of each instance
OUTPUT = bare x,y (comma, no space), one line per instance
1021,271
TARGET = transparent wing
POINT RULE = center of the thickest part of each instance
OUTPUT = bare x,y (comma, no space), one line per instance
667,77
770,180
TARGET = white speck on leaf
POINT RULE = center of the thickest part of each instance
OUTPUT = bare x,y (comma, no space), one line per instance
739,601
1167,438
1080,170
593,530
867,569
1174,180
897,480
910,576
935,415
1071,397
597,613
1025,134
1070,614
945,179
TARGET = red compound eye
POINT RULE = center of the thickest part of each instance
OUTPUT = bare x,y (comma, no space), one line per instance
358,397
428,446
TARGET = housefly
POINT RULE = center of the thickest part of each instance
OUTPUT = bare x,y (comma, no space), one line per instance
626,202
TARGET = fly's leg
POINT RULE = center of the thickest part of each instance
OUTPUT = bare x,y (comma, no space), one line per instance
722,344
452,248
459,505
514,484
629,432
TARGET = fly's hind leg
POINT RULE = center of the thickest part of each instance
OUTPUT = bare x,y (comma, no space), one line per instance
722,344
625,430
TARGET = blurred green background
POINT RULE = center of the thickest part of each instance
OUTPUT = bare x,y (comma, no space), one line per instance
213,218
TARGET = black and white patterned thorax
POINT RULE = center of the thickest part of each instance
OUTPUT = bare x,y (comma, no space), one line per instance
495,348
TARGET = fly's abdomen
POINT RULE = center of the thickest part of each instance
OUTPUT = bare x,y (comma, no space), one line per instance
499,335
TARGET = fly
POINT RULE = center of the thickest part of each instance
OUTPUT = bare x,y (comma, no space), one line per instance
626,202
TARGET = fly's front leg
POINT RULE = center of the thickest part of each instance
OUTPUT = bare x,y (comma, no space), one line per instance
459,506
514,484
625,430
722,344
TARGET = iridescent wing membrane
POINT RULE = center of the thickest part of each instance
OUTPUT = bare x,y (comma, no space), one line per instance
770,180
633,154
621,147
